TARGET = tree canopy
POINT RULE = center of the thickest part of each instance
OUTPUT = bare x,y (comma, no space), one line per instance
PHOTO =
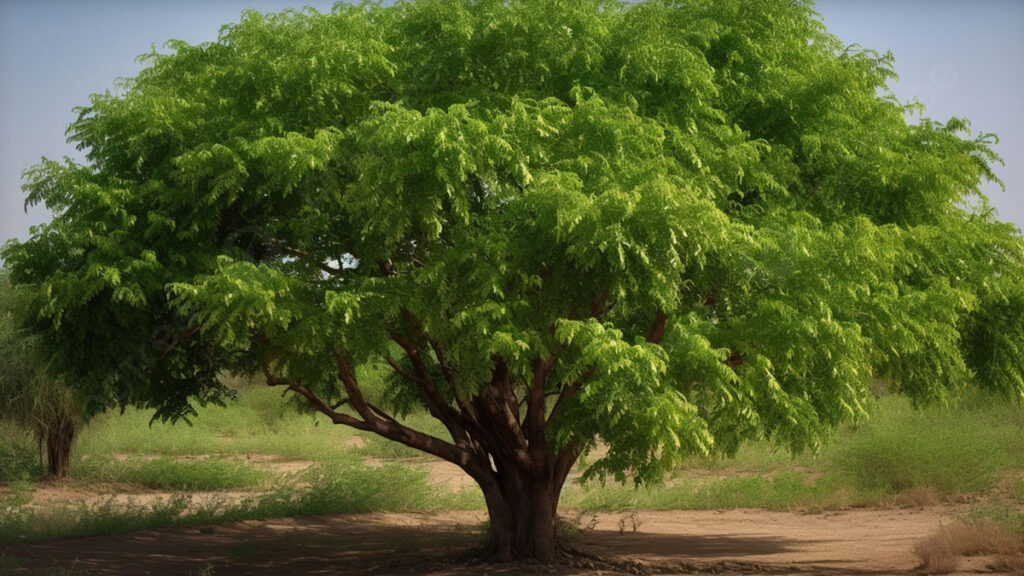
666,226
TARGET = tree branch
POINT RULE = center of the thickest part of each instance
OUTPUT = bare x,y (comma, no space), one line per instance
567,457
178,339
402,372
536,406
436,403
355,395
657,332
315,401
312,260
376,420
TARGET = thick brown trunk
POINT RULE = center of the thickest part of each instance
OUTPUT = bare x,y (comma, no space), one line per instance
522,518
59,439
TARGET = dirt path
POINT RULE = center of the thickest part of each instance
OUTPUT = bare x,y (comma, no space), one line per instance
734,541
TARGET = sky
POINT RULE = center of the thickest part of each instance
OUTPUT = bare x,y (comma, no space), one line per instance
957,57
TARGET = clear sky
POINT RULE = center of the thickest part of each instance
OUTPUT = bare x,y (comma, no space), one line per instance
958,57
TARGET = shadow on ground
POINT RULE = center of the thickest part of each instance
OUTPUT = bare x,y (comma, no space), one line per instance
443,544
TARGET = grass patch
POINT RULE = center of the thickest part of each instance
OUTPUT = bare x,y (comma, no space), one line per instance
18,493
19,454
323,490
1016,491
968,449
258,422
80,519
782,491
172,474
1008,517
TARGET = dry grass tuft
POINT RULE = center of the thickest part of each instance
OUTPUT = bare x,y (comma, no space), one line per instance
1011,563
941,553
919,496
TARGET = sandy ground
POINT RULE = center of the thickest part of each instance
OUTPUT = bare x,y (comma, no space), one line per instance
673,542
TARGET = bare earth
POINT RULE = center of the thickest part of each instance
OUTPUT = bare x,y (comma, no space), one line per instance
673,542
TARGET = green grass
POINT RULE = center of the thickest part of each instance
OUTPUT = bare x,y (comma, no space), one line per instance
783,491
969,449
1016,492
258,422
19,455
322,490
1007,516
169,474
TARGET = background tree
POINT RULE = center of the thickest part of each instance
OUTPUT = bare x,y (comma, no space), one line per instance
29,396
664,227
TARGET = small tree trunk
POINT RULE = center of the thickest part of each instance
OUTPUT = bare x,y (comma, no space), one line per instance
59,439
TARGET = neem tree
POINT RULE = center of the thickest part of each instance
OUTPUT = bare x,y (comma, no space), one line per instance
665,227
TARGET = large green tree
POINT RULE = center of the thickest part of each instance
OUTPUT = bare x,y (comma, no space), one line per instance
664,227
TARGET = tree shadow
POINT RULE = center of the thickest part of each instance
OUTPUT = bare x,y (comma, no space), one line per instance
370,544
688,545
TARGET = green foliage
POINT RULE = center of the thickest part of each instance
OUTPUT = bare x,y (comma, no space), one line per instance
515,181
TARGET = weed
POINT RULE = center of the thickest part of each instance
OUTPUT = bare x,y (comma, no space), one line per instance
570,528
630,519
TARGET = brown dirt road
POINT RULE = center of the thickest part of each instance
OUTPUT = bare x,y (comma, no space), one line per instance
863,541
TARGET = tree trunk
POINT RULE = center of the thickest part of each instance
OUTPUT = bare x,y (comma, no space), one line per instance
522,515
59,438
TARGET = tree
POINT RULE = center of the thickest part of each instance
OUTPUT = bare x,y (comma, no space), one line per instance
29,395
663,227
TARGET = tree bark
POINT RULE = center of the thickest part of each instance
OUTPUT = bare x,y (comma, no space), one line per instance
523,514
59,438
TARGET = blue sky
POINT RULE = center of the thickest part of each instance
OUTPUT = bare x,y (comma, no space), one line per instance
963,58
